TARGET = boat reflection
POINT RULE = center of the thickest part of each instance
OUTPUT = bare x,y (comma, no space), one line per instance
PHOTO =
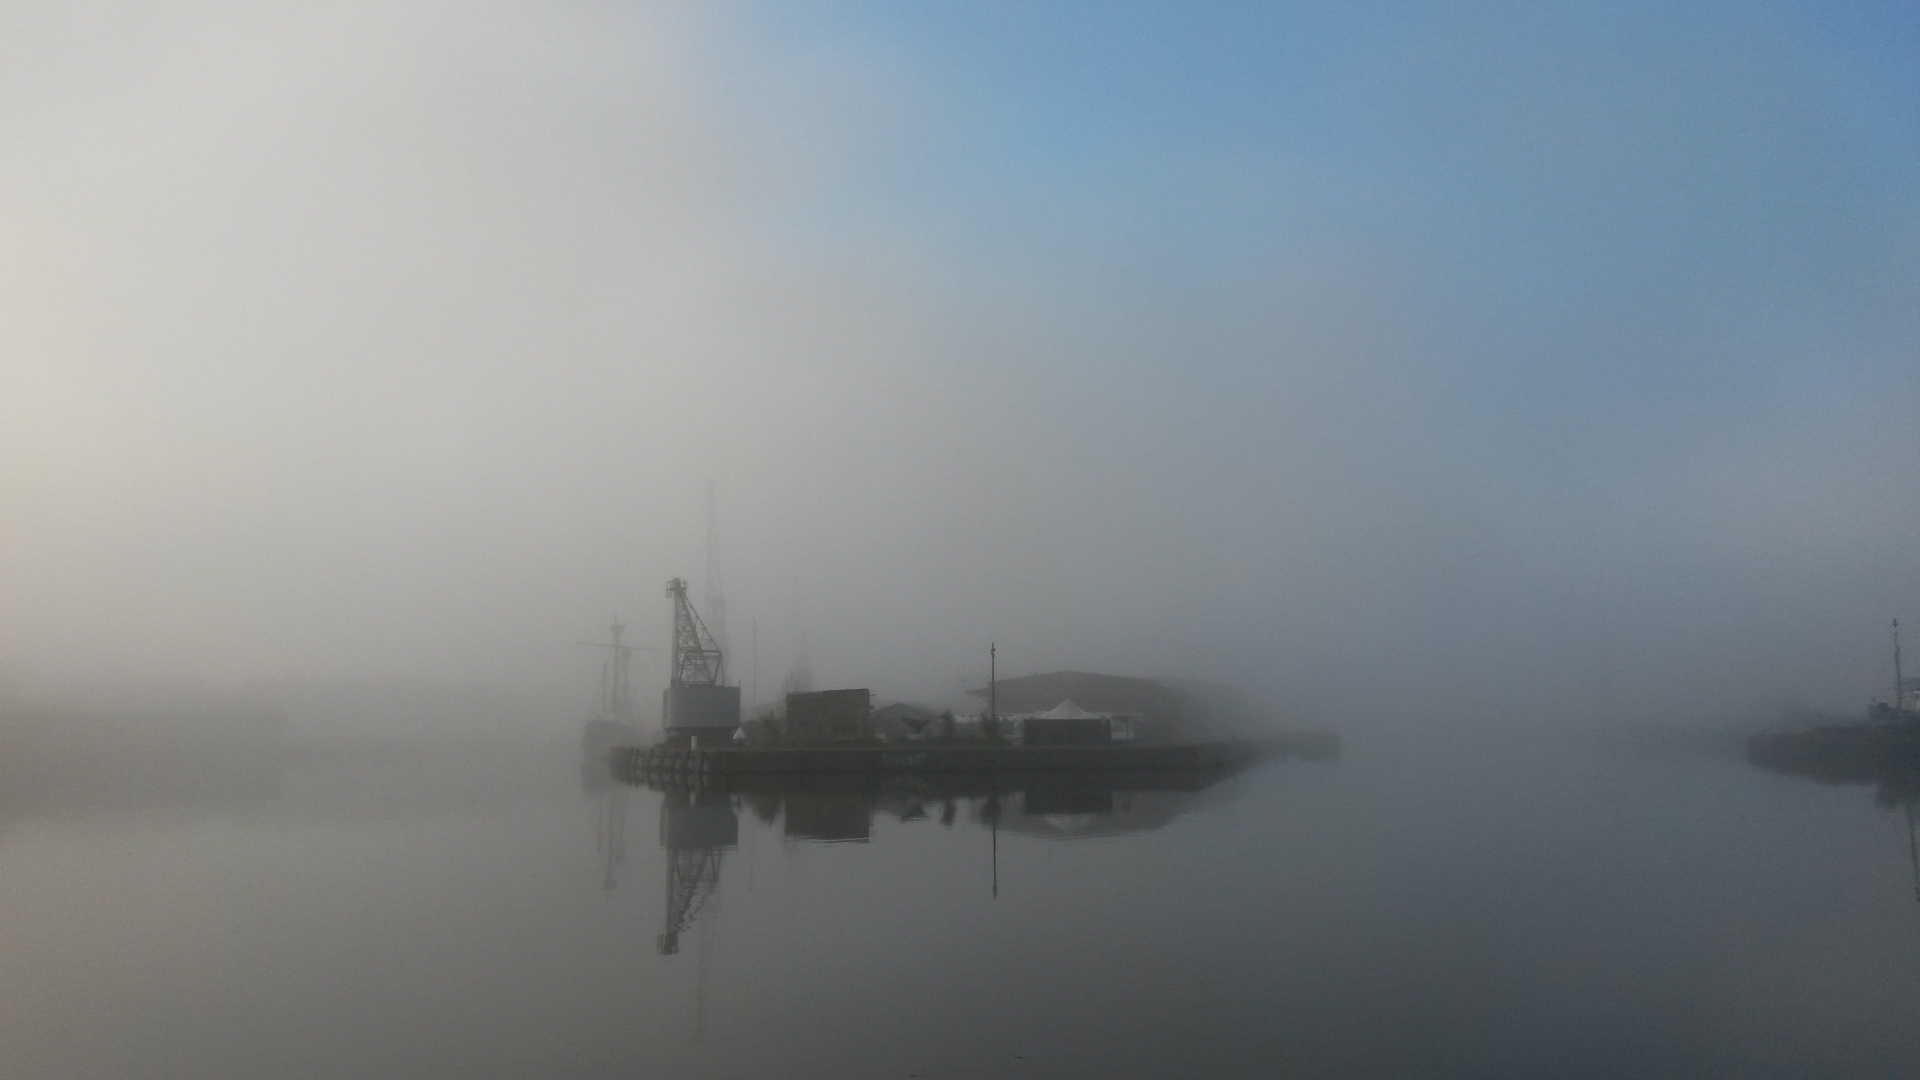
1891,766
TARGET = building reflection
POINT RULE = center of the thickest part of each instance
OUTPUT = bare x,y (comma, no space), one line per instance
700,822
828,819
842,807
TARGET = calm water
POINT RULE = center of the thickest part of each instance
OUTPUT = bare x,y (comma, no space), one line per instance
483,912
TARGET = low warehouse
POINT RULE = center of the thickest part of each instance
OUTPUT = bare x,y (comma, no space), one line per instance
830,716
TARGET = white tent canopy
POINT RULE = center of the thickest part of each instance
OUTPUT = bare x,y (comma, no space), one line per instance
1067,710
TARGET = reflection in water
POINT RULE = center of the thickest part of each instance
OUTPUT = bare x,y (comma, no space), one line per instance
1893,769
1848,758
699,822
610,834
695,828
396,913
828,819
1913,854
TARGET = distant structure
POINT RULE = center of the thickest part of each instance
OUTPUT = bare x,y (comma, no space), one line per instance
1067,724
830,715
612,723
697,705
901,720
799,679
1905,706
1148,708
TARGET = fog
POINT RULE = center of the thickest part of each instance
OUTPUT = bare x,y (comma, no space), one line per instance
1507,366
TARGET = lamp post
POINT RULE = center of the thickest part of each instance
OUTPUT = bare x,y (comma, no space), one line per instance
993,685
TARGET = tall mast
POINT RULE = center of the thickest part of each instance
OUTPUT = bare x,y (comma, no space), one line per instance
615,700
616,693
1899,687
716,600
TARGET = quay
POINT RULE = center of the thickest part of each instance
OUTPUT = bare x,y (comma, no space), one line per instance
737,761
1036,724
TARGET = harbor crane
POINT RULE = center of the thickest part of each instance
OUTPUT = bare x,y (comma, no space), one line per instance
698,706
697,660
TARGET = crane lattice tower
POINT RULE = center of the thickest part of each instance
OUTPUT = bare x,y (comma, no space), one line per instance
697,660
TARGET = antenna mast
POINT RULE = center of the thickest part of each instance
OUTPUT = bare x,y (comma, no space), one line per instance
616,688
993,683
615,699
716,602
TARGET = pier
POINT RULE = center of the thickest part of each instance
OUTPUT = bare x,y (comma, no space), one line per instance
977,758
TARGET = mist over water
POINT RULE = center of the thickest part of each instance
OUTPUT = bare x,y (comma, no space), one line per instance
1525,395
1408,908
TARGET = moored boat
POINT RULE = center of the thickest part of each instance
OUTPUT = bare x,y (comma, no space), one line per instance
612,724
1887,743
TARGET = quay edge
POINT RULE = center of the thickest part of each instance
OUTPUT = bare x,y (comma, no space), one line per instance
942,757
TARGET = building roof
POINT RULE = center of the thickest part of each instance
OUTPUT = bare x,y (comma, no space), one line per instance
1103,694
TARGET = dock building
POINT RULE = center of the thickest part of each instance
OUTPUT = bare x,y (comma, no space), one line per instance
902,721
1146,709
830,716
1067,724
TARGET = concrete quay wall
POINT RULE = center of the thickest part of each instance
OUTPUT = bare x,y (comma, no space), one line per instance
733,761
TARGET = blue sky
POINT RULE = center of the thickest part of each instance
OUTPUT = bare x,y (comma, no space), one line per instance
1659,164
1627,253
1212,339
1611,214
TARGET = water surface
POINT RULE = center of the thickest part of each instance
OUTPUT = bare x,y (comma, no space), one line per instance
1408,909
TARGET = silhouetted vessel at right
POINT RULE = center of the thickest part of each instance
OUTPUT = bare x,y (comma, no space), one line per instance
1885,748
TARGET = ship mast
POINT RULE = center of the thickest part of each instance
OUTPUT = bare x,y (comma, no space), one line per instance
615,700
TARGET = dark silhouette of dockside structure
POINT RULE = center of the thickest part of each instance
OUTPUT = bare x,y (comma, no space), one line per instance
1885,755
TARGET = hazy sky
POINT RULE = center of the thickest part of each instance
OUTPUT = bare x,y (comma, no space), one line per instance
1499,360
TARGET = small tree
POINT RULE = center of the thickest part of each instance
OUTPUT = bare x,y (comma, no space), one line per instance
946,725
